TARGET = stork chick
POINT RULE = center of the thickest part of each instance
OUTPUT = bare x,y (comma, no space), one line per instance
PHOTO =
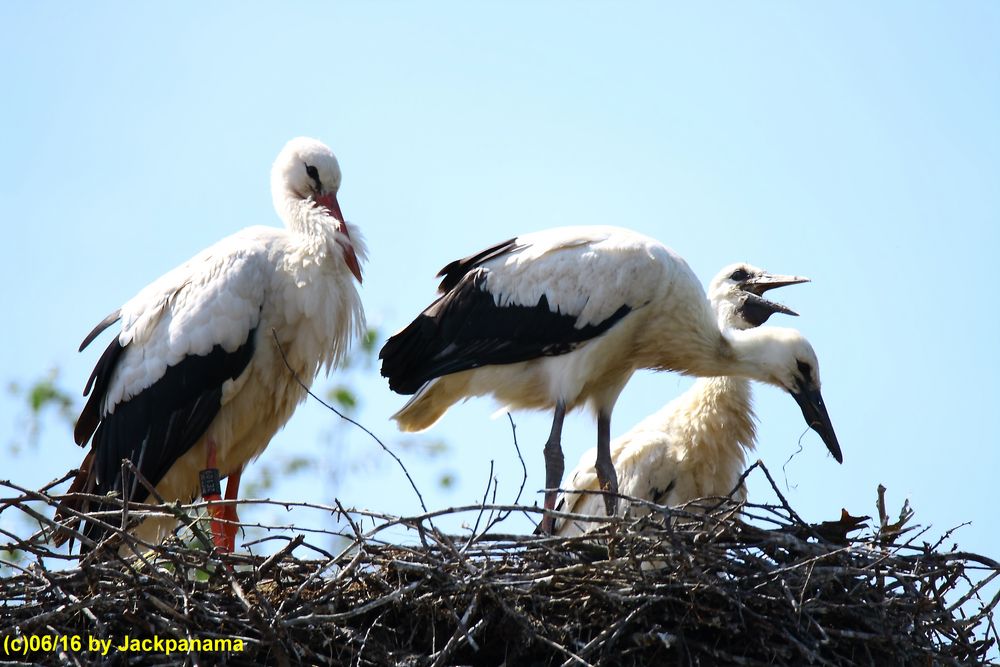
696,445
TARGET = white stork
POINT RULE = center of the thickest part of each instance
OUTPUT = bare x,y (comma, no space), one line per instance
563,317
695,446
196,378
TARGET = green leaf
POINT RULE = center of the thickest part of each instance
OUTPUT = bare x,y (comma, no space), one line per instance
344,397
45,392
297,463
368,340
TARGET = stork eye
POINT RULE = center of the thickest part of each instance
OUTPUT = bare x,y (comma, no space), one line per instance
313,173
806,371
739,275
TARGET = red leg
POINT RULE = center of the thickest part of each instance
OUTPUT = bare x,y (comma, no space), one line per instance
216,512
232,493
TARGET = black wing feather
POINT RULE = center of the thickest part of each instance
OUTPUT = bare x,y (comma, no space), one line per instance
97,387
455,271
99,329
161,423
465,329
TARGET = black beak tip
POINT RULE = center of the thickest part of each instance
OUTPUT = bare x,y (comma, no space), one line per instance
815,414
824,428
825,432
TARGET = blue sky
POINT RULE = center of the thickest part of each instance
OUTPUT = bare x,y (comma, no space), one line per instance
855,144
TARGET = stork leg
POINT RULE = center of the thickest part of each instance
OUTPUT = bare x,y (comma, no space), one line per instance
210,492
232,493
554,464
606,474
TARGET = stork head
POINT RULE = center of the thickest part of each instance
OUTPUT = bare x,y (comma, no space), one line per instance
783,357
307,172
736,294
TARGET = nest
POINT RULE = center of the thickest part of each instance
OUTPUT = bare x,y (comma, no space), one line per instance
720,584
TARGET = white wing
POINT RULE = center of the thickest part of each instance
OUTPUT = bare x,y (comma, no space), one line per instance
214,299
585,272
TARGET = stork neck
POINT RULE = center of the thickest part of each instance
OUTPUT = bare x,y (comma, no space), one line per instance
704,399
726,421
697,346
692,345
725,403
714,417
684,337
754,353
303,216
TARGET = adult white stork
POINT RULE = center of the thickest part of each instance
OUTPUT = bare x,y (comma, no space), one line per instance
695,446
563,317
196,378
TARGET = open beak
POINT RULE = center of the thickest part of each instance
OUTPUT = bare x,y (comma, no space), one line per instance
329,202
814,411
755,309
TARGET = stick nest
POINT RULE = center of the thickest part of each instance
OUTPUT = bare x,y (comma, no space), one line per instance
730,584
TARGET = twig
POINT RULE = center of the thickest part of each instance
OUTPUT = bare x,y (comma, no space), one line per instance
337,412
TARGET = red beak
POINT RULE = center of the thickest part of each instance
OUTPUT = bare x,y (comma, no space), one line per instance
329,202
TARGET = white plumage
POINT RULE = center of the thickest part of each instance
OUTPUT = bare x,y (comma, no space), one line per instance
562,318
196,373
696,445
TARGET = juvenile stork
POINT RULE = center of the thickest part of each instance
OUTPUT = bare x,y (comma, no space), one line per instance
563,317
196,378
695,446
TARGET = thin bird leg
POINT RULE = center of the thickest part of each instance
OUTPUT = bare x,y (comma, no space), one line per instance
554,464
606,474
232,493
211,490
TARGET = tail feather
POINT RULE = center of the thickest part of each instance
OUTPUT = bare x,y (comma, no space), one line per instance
404,356
430,403
67,511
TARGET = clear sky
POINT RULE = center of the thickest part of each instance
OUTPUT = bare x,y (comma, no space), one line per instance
855,143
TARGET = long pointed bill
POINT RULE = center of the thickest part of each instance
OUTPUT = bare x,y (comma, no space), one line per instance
814,411
765,281
755,309
329,202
